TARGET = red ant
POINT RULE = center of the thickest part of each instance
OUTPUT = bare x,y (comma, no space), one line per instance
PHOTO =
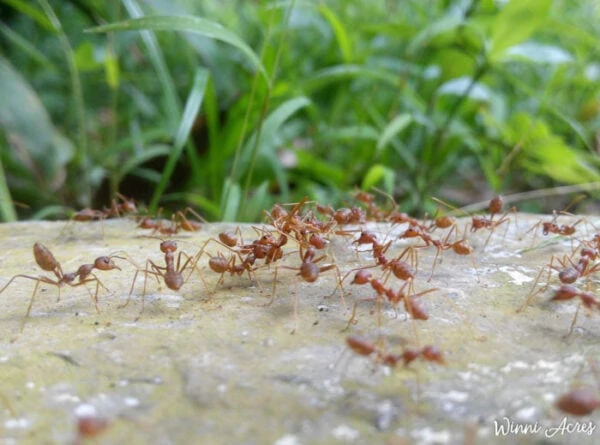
365,348
172,272
460,247
309,271
363,276
220,264
578,402
553,227
568,274
178,222
125,206
47,262
568,292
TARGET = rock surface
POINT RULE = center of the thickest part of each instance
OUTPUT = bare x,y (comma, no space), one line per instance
213,363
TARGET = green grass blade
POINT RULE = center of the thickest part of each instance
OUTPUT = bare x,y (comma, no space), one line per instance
25,8
26,47
230,203
394,128
187,23
7,209
81,154
340,33
190,112
171,100
324,77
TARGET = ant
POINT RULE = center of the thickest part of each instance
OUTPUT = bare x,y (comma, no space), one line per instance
309,271
569,274
479,222
365,348
460,247
363,276
47,262
178,222
172,272
553,227
116,208
578,402
568,292
220,264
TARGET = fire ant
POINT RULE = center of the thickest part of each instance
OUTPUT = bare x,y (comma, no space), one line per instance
220,264
47,262
578,402
172,272
568,274
365,348
178,222
116,209
460,247
309,271
363,276
568,292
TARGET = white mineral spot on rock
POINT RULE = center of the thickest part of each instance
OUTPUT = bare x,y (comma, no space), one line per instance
85,409
456,396
430,436
131,402
288,439
514,365
18,423
526,414
517,277
345,433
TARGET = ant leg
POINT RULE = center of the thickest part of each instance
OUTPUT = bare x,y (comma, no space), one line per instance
437,254
193,267
573,322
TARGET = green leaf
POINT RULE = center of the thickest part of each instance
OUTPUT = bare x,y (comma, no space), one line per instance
324,172
545,153
448,23
26,47
190,112
270,130
379,173
354,132
340,32
337,73
85,59
230,203
33,13
29,129
539,53
169,91
516,23
111,70
393,129
187,23
138,159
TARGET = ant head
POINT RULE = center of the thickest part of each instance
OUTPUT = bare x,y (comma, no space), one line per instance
433,354
105,263
362,276
496,205
366,238
228,238
168,246
317,241
411,232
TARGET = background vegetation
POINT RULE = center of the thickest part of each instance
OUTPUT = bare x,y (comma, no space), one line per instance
229,106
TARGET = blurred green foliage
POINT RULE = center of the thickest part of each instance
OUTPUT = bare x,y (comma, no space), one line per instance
230,106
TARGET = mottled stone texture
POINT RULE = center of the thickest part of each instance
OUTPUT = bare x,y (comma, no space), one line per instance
213,363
